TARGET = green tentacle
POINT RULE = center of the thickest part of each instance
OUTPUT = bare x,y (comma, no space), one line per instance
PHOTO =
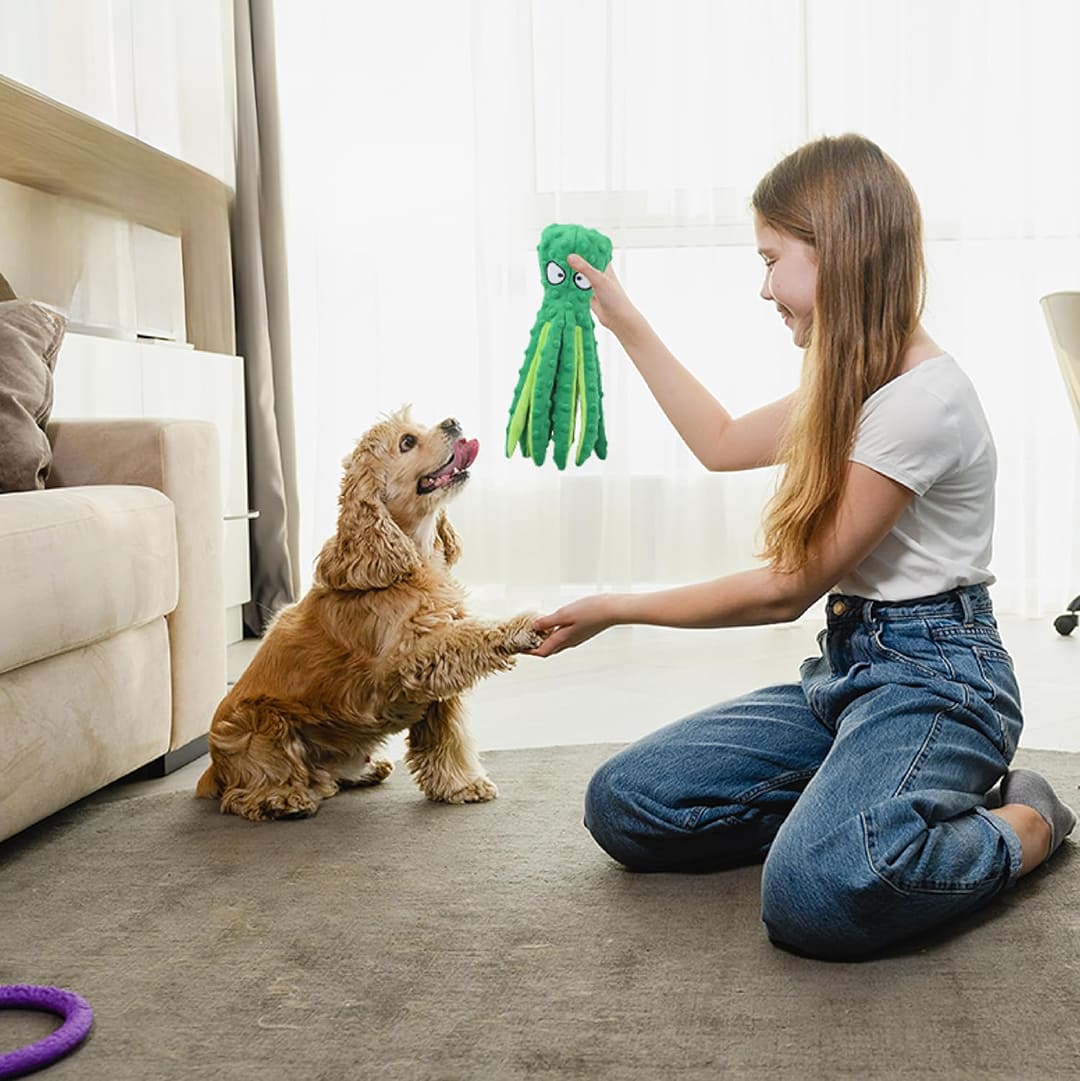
566,391
586,396
601,437
523,392
581,398
590,378
538,431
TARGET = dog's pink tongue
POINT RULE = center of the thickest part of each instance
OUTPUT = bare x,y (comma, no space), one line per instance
465,451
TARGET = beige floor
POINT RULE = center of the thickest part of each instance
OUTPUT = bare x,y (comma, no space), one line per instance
634,679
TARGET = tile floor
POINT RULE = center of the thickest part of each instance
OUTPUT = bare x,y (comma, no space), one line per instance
634,679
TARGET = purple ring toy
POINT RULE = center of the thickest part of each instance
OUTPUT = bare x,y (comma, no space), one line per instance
77,1015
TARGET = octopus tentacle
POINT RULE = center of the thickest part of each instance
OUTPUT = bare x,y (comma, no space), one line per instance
538,432
582,408
601,439
597,442
523,392
564,417
588,400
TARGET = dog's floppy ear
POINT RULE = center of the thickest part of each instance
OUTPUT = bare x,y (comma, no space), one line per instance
447,538
369,550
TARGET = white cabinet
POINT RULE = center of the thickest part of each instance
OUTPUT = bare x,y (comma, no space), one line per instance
104,377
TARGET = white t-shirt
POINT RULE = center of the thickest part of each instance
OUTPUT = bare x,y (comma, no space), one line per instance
926,429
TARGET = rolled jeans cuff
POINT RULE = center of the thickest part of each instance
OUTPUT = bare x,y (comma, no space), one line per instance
1012,842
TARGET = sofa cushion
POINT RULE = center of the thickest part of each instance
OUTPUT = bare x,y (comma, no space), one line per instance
80,564
30,336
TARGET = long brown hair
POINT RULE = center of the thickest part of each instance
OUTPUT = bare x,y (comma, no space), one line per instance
853,205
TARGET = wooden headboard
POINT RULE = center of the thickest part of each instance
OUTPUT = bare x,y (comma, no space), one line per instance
54,149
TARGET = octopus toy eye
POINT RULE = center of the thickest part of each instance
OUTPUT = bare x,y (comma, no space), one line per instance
581,281
407,442
555,273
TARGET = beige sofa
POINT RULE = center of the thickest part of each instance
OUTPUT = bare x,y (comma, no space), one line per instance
112,631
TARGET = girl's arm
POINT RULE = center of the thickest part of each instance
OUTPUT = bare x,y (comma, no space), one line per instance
718,440
870,506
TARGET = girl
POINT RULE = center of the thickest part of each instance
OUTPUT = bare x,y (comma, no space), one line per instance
866,785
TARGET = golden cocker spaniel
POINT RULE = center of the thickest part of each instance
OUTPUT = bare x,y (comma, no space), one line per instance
381,643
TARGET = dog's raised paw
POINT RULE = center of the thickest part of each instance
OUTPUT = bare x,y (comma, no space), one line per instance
526,640
520,635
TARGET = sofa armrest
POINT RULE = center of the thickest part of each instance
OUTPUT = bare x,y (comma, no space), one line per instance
180,458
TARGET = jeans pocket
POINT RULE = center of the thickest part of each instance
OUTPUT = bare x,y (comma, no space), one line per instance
895,835
996,684
911,645
815,674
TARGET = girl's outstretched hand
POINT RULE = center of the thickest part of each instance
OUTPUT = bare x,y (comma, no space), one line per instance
609,302
574,623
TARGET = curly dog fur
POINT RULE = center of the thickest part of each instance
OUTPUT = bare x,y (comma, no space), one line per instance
381,643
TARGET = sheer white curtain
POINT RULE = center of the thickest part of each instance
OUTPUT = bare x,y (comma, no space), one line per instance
427,146
160,70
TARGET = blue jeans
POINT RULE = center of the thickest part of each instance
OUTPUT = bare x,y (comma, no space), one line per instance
863,787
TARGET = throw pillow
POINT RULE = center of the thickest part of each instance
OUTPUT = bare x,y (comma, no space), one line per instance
30,336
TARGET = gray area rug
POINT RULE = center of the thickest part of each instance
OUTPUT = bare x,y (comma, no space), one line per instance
393,938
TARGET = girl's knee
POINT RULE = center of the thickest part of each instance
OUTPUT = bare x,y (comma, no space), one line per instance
599,794
807,905
646,828
611,813
630,818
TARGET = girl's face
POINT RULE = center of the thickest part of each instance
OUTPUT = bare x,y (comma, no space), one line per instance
790,278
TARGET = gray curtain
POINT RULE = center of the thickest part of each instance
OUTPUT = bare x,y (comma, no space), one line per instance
262,319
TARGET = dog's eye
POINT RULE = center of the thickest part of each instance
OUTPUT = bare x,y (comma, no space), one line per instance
407,443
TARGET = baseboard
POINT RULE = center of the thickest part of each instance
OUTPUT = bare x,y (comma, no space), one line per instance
171,761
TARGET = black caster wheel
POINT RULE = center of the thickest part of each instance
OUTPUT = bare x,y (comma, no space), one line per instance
1066,624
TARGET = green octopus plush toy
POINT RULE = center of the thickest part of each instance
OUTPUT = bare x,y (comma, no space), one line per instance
558,391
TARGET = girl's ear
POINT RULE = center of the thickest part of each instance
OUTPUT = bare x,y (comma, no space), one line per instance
446,536
369,550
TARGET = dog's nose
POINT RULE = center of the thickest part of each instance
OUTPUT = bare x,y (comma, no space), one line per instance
451,426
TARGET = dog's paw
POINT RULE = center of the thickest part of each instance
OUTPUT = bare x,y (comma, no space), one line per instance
266,806
291,805
372,771
520,635
478,790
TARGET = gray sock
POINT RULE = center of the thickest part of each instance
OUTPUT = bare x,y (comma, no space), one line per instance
1033,790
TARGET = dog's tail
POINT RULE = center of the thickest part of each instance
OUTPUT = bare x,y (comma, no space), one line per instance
209,786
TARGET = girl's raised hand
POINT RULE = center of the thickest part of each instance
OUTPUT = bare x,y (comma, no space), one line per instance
574,623
609,302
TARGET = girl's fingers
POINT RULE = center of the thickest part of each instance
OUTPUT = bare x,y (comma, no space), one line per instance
586,268
555,634
554,643
546,623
